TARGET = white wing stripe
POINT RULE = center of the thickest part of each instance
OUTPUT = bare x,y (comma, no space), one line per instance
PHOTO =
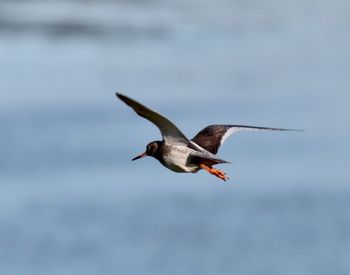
235,129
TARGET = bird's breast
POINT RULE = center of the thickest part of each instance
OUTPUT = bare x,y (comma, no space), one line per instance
175,157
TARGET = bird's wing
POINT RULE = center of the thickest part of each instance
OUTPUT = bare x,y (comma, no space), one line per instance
204,157
211,137
170,132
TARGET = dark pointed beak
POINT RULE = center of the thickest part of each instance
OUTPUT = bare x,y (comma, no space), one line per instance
140,156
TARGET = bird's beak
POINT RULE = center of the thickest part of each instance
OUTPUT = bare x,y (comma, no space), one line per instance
140,156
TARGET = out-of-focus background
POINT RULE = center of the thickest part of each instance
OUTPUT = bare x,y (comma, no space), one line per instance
71,200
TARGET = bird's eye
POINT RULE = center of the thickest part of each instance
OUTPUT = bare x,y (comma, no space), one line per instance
148,148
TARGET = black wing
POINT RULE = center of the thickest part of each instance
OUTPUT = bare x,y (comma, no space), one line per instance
211,137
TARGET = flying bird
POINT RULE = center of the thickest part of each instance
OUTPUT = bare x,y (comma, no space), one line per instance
180,154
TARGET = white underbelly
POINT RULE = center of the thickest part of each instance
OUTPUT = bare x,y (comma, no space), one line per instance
176,160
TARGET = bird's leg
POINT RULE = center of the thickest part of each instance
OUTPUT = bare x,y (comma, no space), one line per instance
216,172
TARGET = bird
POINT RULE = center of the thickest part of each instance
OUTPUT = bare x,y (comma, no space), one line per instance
180,154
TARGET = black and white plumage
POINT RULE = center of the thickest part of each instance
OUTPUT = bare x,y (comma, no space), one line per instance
180,154
213,136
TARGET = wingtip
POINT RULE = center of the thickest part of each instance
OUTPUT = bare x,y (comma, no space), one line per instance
119,95
122,97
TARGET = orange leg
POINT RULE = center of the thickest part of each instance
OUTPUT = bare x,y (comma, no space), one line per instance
216,172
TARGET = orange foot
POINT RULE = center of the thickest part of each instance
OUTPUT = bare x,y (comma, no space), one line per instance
216,172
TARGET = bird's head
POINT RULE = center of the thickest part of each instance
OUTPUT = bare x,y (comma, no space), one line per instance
151,150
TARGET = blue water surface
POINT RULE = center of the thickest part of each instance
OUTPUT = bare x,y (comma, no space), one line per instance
72,201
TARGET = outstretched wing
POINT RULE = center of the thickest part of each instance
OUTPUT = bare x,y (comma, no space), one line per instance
211,137
170,132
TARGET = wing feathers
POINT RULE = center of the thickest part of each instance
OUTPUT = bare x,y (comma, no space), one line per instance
212,136
168,129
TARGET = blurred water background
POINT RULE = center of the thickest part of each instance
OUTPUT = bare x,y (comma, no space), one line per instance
72,201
